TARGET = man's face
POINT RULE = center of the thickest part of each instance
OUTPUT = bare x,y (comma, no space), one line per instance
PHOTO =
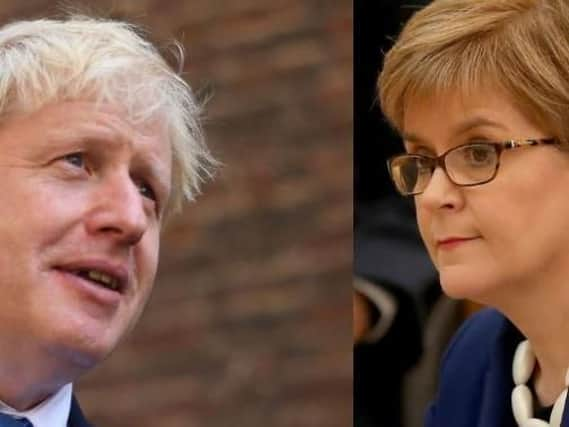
80,216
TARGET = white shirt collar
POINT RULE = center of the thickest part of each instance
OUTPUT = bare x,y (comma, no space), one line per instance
52,412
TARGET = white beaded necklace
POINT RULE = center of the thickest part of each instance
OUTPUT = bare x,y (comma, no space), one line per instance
522,399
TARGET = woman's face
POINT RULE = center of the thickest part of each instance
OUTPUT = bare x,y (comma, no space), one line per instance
490,239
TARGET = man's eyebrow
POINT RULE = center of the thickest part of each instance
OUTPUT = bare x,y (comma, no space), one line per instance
151,164
87,136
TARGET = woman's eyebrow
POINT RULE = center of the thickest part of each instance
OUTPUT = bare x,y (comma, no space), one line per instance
412,142
411,138
476,122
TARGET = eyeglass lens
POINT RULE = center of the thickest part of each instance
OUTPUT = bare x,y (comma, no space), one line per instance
466,165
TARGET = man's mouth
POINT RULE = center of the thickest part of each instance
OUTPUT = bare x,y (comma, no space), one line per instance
99,278
101,274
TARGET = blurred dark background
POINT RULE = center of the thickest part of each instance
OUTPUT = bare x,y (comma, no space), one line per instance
396,376
376,25
249,321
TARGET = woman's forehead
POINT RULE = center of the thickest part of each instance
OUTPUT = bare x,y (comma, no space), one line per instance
455,113
476,106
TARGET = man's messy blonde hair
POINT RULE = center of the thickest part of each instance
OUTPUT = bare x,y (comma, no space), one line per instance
518,46
84,58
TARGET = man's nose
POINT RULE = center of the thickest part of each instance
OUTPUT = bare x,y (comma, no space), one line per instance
441,192
118,211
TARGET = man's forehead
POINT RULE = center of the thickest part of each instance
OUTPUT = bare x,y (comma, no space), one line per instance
87,124
76,119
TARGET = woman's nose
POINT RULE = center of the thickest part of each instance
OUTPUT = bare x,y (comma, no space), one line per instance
440,192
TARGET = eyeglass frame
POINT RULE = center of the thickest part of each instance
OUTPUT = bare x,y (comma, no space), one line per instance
439,161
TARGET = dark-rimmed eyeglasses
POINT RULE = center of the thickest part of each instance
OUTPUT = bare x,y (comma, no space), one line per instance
466,165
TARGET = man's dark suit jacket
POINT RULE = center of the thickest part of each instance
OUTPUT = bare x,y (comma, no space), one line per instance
76,417
476,378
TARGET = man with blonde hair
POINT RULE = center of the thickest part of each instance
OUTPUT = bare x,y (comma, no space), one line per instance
99,142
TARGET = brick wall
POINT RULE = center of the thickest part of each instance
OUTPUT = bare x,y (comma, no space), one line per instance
249,323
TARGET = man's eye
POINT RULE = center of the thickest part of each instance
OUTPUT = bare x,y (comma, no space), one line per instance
76,159
147,191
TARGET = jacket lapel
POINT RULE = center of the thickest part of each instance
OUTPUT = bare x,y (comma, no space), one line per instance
76,417
565,419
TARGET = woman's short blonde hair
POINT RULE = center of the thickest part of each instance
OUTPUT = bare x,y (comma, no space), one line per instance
519,46
79,57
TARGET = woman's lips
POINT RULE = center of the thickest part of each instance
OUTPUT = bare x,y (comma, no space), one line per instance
453,242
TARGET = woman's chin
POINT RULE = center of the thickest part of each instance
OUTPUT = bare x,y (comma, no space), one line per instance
465,282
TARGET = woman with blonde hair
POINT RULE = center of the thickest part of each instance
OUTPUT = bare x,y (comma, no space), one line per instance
479,91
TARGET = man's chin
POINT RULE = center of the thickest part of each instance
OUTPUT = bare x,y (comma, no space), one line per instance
85,360
83,351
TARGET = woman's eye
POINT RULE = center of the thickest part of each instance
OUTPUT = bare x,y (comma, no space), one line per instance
478,155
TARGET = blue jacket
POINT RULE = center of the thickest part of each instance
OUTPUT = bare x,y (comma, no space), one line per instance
476,377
